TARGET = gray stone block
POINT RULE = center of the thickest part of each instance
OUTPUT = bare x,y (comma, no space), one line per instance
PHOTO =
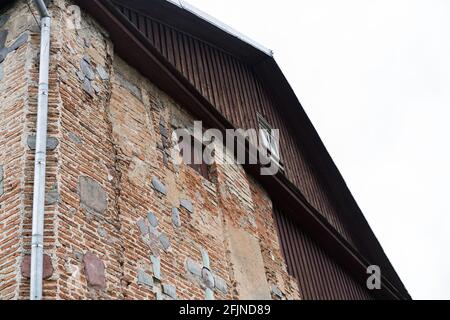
208,278
52,196
74,138
158,186
209,294
142,227
156,265
88,87
164,132
87,58
19,42
4,51
165,241
52,143
193,267
205,258
277,292
152,219
165,143
87,69
102,73
176,220
220,284
3,19
92,194
80,75
187,204
154,232
170,290
144,279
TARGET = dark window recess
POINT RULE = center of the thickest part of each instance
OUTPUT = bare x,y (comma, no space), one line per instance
203,168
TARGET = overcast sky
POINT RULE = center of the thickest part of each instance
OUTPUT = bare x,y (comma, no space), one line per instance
374,77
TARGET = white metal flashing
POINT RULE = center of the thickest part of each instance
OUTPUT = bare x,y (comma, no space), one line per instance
224,27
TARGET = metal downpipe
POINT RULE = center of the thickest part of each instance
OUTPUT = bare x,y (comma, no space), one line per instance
37,244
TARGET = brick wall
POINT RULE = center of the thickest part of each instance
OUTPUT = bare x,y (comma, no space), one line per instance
123,221
16,85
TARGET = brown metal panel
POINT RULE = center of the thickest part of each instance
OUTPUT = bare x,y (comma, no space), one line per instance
250,103
228,110
169,45
240,106
157,33
198,68
212,75
319,276
290,256
219,97
208,73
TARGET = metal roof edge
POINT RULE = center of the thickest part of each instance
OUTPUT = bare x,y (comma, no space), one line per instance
220,25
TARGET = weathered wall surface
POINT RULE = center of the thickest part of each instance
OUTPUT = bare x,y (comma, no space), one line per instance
122,220
231,85
17,32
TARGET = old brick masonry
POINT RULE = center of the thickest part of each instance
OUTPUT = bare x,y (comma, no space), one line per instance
122,221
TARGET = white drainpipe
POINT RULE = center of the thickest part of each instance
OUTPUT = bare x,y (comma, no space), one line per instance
37,244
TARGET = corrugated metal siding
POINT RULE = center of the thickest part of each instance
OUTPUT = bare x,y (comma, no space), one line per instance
319,276
234,89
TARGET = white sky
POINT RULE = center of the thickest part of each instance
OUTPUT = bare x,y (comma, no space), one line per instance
374,77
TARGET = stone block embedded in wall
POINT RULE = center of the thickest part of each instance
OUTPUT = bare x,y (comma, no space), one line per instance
87,86
52,196
86,69
208,278
156,266
92,195
152,219
165,241
144,279
176,219
74,138
52,143
102,73
220,284
26,267
159,186
187,204
95,271
277,292
170,290
193,267
143,228
3,19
